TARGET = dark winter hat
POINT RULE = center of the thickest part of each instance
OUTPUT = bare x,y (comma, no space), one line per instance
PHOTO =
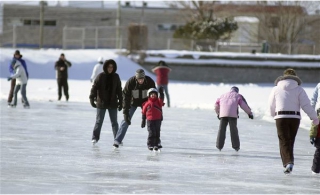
234,88
162,63
17,52
289,71
140,74
62,54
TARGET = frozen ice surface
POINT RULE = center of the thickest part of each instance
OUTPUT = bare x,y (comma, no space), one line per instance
48,149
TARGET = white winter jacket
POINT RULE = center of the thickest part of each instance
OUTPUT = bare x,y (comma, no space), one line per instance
98,68
315,100
20,74
289,96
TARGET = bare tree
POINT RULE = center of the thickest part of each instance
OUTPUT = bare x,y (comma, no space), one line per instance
284,24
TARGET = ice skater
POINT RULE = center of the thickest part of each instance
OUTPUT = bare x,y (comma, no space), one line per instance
134,95
21,83
285,101
107,92
226,108
315,140
152,116
97,69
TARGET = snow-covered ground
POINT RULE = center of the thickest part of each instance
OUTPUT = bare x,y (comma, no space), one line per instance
47,148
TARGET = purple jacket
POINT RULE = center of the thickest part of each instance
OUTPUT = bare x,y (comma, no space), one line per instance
227,105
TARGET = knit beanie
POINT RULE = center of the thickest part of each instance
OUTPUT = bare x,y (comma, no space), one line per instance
140,74
289,71
234,88
17,52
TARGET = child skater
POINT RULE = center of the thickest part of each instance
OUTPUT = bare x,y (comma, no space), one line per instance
226,108
315,140
152,112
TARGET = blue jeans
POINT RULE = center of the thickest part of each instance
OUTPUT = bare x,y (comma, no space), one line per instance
123,127
113,114
23,94
165,87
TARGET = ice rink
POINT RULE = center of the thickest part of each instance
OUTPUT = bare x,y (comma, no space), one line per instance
48,149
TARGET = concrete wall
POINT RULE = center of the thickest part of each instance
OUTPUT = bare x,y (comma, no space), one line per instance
235,74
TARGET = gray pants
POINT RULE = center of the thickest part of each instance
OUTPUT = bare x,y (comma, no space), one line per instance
23,94
233,132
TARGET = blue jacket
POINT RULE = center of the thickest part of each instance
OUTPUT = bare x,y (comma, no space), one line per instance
11,69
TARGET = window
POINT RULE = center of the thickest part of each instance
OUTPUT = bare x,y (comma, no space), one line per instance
30,22
167,27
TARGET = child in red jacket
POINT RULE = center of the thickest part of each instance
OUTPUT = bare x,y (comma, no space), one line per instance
152,114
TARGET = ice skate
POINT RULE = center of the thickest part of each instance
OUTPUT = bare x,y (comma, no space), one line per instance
156,149
11,106
150,148
94,141
115,146
314,173
288,169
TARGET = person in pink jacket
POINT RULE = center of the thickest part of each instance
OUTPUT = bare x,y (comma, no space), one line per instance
226,108
285,101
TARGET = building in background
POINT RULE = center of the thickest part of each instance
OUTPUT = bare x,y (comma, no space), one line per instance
93,25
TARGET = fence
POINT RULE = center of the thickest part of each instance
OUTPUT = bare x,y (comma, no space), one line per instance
106,37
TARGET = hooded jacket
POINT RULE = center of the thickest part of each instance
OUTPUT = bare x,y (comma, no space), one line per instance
288,95
227,105
20,73
106,88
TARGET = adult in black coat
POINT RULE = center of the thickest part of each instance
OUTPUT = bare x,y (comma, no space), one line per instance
61,67
106,94
134,95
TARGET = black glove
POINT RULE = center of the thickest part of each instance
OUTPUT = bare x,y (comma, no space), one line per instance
312,140
119,106
218,117
161,90
9,78
250,116
92,103
127,119
143,123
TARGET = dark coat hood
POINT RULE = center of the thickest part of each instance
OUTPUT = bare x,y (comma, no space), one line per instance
106,63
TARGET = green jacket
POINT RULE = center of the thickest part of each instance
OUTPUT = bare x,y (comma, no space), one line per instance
314,131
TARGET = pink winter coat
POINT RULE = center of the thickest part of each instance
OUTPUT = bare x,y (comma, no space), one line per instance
227,105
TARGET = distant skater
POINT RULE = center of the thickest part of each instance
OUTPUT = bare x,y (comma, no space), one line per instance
97,69
226,108
162,71
61,67
21,83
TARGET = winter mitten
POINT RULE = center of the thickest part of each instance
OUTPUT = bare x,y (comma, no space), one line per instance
143,123
120,107
161,90
127,119
250,116
9,78
312,140
92,103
